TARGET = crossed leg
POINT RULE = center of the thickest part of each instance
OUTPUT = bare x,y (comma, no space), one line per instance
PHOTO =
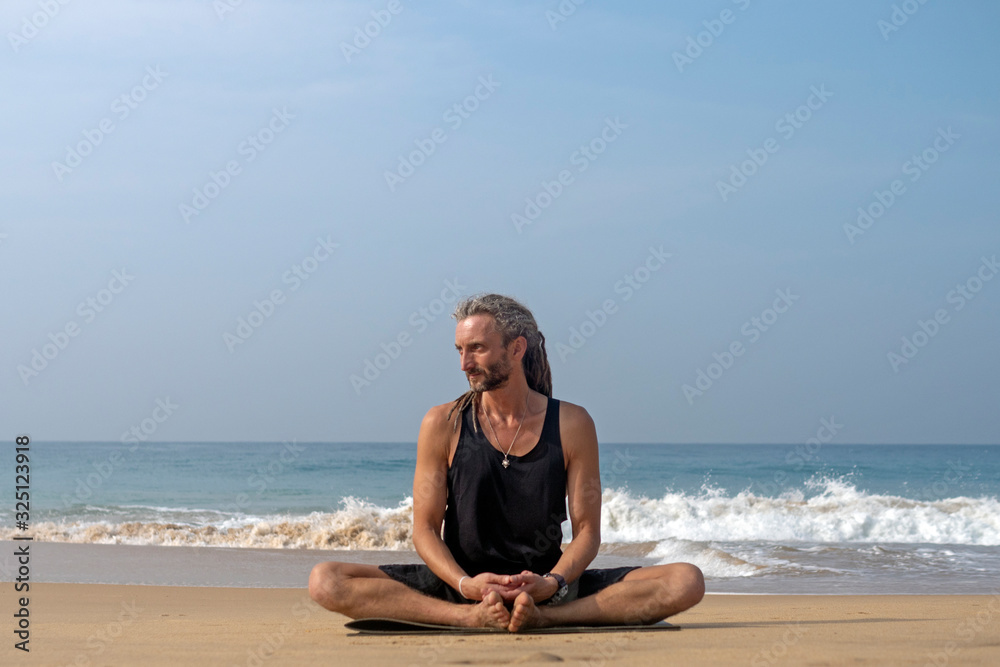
364,591
646,595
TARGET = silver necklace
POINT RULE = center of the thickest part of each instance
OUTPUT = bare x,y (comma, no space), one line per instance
506,461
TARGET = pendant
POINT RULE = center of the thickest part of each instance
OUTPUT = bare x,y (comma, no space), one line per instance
506,463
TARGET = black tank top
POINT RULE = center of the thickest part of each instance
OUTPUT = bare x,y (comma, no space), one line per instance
505,520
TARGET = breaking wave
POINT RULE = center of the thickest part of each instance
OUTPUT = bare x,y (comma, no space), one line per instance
674,525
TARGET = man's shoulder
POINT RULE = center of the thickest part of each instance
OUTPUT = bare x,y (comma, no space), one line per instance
571,414
576,429
437,418
437,432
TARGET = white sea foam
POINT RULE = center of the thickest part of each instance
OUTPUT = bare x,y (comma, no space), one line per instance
678,526
714,562
357,525
838,513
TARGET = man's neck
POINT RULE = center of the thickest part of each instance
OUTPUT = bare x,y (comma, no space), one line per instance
507,402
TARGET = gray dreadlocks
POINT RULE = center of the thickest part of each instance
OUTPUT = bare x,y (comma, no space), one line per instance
511,320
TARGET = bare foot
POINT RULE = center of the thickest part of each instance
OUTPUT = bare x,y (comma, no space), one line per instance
525,614
490,613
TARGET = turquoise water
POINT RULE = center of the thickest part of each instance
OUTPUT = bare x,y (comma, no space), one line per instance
307,477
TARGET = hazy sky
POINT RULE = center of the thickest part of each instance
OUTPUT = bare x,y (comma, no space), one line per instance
216,213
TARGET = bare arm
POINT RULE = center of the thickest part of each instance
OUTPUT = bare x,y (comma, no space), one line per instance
430,497
583,489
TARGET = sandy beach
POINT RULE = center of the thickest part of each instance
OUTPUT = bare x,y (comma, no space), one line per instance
97,624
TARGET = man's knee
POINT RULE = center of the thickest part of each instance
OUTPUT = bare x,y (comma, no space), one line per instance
323,582
690,583
329,583
682,586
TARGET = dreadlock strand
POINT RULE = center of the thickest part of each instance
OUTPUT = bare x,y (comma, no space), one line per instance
458,408
544,375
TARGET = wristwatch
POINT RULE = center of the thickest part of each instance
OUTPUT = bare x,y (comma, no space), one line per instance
563,587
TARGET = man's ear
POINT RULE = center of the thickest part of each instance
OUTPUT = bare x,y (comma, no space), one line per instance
519,347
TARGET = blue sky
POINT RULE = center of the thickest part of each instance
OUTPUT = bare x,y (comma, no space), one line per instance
120,115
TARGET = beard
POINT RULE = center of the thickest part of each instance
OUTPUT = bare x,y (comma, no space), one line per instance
494,376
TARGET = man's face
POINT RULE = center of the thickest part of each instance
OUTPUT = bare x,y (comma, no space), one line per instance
484,359
492,377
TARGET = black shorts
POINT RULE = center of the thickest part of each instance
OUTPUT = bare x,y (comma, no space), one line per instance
421,578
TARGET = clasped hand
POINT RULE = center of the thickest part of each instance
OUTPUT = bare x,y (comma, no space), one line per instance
509,586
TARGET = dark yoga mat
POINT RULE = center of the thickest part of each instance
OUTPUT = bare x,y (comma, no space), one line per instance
389,626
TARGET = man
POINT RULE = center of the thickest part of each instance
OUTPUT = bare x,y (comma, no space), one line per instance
496,468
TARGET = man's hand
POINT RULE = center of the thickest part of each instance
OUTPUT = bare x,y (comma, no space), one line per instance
538,587
509,586
476,588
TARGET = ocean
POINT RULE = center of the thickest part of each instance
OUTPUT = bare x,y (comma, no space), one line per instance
821,519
